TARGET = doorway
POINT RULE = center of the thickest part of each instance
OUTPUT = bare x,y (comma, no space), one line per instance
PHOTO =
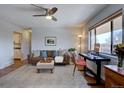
22,45
17,42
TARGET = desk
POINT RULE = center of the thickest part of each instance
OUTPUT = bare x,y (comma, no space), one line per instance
114,77
97,60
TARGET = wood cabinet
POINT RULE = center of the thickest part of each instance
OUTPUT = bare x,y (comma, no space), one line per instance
114,77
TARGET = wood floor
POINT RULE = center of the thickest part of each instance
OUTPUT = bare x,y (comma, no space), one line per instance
18,64
92,80
12,67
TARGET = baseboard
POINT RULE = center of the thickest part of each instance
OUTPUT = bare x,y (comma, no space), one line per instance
6,65
24,60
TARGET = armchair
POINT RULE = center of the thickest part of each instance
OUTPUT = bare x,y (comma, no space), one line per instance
59,59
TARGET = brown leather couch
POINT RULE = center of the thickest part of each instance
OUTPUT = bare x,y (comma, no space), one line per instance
33,60
50,54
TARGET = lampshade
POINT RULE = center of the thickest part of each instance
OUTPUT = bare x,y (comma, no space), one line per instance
79,45
79,35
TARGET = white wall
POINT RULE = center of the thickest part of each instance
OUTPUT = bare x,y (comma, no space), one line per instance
6,43
25,43
66,38
103,14
84,40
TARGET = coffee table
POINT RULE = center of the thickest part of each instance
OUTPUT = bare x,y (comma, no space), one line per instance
45,64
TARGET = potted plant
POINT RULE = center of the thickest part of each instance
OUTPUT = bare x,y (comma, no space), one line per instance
71,49
119,50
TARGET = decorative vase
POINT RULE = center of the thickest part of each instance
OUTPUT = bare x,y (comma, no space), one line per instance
120,62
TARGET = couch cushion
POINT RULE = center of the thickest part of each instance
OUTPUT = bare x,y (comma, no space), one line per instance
60,53
59,59
56,53
44,53
50,53
40,53
36,53
81,62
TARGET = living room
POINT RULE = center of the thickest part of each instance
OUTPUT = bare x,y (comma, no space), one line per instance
39,34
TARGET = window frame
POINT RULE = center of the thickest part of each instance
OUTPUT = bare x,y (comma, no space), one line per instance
94,33
113,34
109,19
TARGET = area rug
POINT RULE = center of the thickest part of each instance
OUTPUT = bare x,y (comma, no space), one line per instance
27,77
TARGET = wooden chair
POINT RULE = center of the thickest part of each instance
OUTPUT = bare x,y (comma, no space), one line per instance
78,62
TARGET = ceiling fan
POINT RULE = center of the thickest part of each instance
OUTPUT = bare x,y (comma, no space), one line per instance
49,12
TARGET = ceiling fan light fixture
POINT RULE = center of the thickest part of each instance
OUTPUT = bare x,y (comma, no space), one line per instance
48,17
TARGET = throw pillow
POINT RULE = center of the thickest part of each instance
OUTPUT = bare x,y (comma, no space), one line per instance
40,53
50,53
56,53
36,53
61,53
44,54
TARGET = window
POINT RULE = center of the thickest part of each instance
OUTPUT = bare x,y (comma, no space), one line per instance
117,30
92,39
103,37
107,35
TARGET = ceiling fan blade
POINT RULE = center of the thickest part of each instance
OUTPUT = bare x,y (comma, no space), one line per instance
39,7
54,18
52,11
38,15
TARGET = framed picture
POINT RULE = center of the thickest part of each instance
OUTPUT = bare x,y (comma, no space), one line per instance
50,41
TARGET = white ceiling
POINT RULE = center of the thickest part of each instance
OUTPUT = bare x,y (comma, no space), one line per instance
67,14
